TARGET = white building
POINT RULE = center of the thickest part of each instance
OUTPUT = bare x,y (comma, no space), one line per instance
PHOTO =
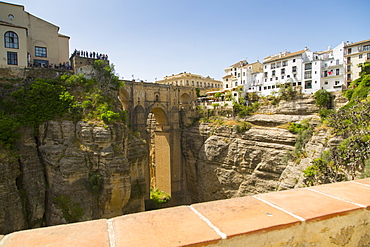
283,68
305,70
327,70
244,74
355,54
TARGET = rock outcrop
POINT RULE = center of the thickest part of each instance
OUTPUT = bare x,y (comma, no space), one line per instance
221,163
227,164
71,172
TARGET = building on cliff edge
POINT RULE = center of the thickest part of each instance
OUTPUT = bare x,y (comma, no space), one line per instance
28,40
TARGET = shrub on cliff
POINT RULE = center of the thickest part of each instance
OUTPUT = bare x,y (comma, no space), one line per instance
351,158
40,101
322,98
360,88
8,127
72,212
242,126
159,197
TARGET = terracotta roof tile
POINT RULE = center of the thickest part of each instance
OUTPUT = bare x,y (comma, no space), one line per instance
271,59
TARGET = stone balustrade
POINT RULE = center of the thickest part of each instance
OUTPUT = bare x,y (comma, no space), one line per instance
327,215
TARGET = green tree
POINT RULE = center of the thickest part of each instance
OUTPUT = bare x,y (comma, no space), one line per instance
322,98
40,101
287,92
218,95
106,77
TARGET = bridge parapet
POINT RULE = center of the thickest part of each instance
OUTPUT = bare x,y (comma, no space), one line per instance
328,215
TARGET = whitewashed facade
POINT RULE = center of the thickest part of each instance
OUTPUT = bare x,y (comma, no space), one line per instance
242,74
284,68
305,70
355,54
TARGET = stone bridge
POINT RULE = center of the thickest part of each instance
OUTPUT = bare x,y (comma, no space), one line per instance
171,107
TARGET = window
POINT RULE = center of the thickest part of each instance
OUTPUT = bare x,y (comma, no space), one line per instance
349,76
265,74
40,51
294,69
11,40
269,87
307,74
295,75
337,82
368,56
282,77
273,72
349,50
366,48
283,71
337,72
272,66
348,59
285,63
238,74
12,58
227,85
276,78
360,56
293,60
278,64
348,68
308,84
326,83
243,73
308,66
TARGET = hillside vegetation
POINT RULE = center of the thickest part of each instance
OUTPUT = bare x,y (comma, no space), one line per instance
350,159
73,97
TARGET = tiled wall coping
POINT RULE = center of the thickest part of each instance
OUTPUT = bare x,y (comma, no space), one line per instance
327,215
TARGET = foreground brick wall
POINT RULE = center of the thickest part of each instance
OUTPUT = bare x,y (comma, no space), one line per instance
328,215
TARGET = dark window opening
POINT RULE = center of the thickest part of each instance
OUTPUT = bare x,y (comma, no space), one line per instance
11,40
40,51
12,58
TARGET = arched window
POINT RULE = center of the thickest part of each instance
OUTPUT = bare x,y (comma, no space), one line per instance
11,40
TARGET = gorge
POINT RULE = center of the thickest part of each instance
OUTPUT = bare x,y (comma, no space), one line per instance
66,170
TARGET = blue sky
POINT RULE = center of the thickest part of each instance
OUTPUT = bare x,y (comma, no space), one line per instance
151,39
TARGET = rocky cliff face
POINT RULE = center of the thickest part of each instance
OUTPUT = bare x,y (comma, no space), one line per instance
221,163
227,164
71,171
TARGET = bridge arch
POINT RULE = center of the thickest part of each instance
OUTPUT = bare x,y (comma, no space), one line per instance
139,117
185,98
124,97
158,127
